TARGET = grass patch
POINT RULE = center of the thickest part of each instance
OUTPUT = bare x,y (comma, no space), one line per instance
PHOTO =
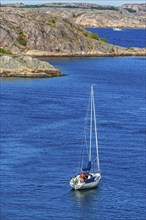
52,22
6,52
104,39
23,42
86,34
21,38
95,36
21,34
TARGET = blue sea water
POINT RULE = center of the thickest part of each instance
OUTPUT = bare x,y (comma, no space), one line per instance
125,37
42,136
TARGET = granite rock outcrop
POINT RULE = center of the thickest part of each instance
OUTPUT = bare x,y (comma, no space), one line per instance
94,15
39,32
25,66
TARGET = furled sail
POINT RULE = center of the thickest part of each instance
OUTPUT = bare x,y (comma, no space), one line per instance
88,168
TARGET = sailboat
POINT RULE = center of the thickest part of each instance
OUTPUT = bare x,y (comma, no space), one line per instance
89,176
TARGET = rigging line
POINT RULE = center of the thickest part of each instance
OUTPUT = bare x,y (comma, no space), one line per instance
91,113
85,139
85,126
95,129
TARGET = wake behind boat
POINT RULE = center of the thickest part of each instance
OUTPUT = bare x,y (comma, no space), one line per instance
89,177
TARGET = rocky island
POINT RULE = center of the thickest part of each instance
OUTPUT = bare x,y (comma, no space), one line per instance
25,66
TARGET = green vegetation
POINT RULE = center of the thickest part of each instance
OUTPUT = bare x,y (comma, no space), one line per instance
33,6
95,36
69,6
52,22
23,42
112,8
104,39
130,10
3,51
131,49
21,39
21,34
86,34
112,50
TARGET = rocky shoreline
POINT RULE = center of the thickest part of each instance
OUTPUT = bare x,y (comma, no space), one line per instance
43,32
37,33
118,52
28,67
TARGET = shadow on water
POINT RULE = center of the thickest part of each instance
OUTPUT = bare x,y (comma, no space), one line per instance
85,196
85,202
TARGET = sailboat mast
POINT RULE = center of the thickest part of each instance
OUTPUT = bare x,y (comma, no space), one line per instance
95,128
90,125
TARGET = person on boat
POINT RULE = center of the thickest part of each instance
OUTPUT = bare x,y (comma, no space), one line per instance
83,176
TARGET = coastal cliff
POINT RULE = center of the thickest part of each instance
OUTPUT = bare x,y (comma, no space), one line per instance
38,33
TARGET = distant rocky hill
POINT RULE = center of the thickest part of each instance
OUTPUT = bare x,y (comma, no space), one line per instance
93,15
12,5
135,7
101,18
40,32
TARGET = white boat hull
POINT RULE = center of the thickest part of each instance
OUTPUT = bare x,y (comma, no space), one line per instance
117,29
77,183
